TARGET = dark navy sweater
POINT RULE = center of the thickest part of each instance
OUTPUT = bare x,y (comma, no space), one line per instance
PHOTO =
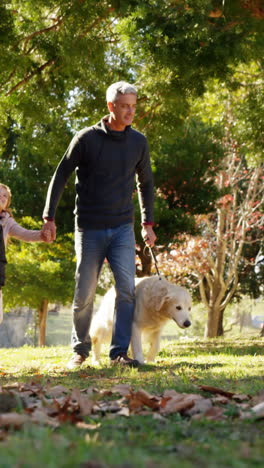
105,163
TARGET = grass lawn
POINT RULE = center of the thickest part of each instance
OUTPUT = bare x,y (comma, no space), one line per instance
146,439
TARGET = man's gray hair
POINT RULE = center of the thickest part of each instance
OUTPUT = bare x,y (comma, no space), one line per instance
121,87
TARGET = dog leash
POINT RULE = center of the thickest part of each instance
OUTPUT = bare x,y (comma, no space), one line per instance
153,256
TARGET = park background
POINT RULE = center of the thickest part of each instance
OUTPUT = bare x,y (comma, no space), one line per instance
198,67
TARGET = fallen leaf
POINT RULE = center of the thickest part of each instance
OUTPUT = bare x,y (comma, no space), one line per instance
142,398
58,401
15,420
164,401
39,416
23,393
220,399
107,407
122,389
134,403
175,405
244,405
105,392
90,390
216,390
124,412
147,399
214,413
58,390
200,406
193,397
171,393
258,410
240,397
34,388
11,386
85,403
258,398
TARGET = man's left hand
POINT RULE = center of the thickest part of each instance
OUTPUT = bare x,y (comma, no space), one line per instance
148,235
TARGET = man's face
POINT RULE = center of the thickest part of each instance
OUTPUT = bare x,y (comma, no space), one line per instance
122,111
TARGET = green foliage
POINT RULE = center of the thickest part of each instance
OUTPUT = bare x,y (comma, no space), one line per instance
237,105
38,271
195,40
59,56
185,166
27,165
248,103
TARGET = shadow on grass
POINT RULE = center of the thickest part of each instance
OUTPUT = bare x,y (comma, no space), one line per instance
180,365
183,377
196,365
242,348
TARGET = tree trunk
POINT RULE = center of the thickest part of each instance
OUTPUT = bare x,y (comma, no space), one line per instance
215,322
220,329
145,259
43,310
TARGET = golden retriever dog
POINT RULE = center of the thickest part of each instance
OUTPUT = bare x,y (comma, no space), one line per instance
157,301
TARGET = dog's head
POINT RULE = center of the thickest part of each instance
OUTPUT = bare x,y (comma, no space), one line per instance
172,301
178,306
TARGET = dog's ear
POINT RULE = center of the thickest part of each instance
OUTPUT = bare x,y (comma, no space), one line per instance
159,302
157,295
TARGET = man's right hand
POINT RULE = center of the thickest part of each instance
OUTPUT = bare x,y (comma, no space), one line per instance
50,228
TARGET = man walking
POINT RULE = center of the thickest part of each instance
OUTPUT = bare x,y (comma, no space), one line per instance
106,158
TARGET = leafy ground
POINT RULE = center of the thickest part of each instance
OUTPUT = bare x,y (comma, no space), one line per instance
110,417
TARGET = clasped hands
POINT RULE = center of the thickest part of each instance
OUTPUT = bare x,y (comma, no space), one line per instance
48,231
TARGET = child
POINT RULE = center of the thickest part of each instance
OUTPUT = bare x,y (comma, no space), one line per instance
9,228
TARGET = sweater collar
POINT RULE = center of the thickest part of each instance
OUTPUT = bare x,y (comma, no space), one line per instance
103,127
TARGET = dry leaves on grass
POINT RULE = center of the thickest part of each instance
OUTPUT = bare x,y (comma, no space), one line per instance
53,406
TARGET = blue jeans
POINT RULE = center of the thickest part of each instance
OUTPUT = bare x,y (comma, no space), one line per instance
92,246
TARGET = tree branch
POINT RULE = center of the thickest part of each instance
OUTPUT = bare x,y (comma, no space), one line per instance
31,75
51,61
41,31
